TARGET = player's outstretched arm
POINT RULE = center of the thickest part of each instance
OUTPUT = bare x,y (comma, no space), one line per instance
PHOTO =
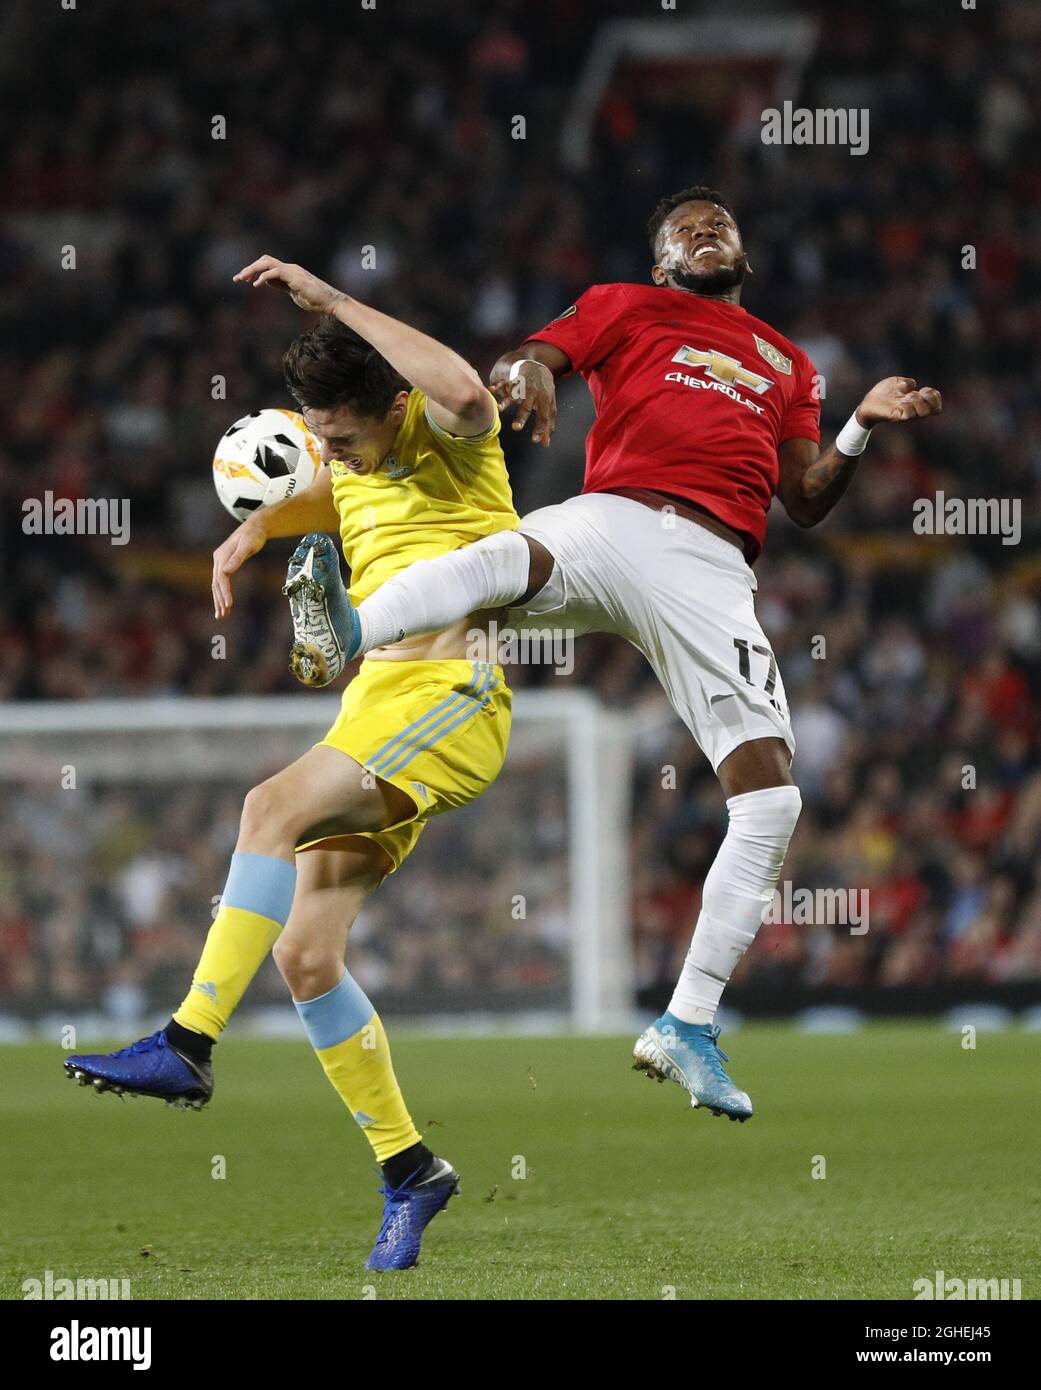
310,510
456,396
526,378
811,482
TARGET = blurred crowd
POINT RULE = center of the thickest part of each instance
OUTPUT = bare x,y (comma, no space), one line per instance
107,892
917,718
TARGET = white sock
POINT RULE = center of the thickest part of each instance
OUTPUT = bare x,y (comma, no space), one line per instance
431,594
738,890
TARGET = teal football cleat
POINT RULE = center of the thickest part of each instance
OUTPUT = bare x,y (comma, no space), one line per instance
326,626
688,1054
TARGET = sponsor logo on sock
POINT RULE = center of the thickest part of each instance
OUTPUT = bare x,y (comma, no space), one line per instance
206,987
363,1119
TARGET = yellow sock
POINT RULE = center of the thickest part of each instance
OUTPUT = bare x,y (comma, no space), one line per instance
347,1035
254,909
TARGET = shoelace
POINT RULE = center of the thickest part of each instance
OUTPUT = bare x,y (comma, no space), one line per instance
713,1034
394,1196
143,1045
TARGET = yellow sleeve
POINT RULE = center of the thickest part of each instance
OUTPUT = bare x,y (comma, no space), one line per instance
463,442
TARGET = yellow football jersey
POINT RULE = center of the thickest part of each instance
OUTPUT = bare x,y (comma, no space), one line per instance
433,493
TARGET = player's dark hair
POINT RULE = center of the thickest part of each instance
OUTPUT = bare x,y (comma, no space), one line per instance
331,365
698,194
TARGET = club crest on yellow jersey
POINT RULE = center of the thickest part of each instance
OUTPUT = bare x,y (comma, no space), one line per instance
433,493
395,469
391,467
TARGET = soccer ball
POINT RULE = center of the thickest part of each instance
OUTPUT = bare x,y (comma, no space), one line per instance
264,458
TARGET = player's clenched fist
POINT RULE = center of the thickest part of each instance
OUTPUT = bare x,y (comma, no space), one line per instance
898,398
532,388
306,290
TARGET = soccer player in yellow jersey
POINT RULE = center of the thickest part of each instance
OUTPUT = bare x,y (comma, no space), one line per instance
409,435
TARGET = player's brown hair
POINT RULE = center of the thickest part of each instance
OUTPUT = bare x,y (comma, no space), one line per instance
331,365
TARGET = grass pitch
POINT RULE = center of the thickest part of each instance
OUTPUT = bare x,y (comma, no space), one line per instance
930,1152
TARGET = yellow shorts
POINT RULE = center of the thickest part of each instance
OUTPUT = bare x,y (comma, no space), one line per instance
437,730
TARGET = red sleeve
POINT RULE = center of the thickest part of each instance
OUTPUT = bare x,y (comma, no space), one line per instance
803,420
590,329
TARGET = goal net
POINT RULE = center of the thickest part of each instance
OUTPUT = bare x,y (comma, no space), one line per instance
119,818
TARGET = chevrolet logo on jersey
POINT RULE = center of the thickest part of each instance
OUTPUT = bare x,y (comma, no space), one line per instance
722,368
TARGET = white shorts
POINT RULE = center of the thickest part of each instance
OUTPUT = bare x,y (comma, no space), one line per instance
678,592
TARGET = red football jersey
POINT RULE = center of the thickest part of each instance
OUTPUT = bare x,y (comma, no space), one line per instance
692,395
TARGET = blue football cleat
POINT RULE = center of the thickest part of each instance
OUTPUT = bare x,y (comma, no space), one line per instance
150,1067
326,626
407,1211
688,1054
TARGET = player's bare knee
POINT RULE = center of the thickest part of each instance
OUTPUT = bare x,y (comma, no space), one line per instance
266,811
309,968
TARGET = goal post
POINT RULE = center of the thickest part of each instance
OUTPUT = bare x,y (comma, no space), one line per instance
511,913
709,60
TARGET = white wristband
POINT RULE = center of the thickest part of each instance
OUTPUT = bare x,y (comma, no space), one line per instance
515,369
852,438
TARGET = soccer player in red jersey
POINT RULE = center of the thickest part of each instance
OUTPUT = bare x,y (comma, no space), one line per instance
703,414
